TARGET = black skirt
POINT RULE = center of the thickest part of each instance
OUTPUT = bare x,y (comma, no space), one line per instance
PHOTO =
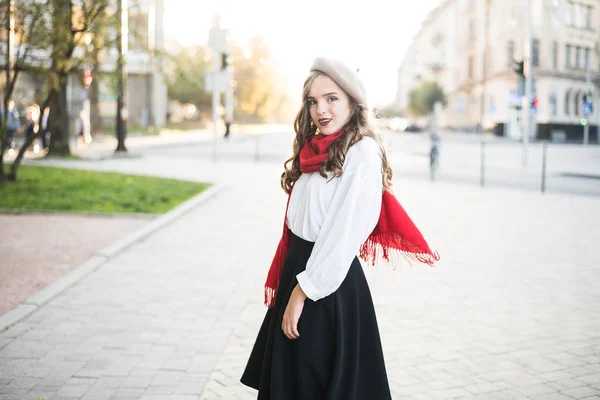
338,355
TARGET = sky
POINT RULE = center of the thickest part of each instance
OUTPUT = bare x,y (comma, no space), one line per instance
372,35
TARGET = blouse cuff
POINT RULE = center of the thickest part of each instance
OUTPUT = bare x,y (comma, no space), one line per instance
307,286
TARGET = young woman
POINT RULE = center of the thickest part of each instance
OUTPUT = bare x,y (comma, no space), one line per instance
319,339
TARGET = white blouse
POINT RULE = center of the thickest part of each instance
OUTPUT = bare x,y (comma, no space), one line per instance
337,214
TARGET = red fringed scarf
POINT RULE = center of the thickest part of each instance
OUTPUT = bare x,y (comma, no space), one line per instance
395,234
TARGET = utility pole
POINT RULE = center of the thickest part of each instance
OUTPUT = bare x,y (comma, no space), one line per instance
122,39
486,24
216,40
585,107
598,92
10,47
526,106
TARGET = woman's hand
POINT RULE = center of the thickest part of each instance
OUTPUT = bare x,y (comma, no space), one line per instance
294,308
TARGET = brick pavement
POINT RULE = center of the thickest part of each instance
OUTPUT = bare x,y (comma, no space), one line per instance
151,322
37,248
511,312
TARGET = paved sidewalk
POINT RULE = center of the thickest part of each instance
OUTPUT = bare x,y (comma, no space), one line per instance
151,322
511,312
39,248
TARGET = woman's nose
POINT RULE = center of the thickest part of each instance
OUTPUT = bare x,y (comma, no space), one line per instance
322,107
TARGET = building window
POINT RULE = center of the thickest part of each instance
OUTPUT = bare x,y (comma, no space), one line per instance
578,15
535,53
578,19
577,57
555,55
568,56
514,14
588,17
567,103
510,53
569,14
470,68
555,13
472,29
576,105
553,104
586,59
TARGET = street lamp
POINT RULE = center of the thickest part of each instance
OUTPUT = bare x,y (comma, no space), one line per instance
526,108
122,38
10,43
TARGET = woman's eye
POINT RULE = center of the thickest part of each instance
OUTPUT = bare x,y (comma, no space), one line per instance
331,99
312,102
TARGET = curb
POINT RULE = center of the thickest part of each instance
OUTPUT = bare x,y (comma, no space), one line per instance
45,295
13,211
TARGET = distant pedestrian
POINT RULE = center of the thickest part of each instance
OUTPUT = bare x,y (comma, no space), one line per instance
319,339
32,114
434,150
227,127
82,129
45,132
13,124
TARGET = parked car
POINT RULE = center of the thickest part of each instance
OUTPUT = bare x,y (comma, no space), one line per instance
412,128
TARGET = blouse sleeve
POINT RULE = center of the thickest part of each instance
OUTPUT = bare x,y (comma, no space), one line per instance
351,217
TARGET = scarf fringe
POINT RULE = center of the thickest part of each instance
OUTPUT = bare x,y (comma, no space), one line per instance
270,294
394,250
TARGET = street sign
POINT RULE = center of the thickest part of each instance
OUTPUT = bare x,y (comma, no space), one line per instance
216,39
514,99
587,108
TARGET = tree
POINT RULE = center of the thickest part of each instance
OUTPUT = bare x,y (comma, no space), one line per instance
69,23
259,88
422,99
49,33
260,93
27,23
389,112
185,78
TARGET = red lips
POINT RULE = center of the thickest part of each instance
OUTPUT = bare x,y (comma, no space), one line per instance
324,121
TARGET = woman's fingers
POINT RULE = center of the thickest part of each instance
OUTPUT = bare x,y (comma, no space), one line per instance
293,311
294,329
284,328
290,329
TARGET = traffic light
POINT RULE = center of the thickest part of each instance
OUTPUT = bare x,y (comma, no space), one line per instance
87,78
535,102
587,107
519,68
224,61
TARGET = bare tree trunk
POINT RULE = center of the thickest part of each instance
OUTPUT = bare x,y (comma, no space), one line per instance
10,42
95,118
12,176
17,163
62,50
58,120
3,136
122,112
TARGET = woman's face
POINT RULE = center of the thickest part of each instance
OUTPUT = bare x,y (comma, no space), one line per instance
329,105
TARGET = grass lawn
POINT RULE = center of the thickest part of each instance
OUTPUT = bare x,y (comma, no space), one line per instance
62,189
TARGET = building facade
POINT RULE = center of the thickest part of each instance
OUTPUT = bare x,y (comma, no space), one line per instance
483,38
146,87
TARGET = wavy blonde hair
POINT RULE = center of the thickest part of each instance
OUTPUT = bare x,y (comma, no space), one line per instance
358,126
